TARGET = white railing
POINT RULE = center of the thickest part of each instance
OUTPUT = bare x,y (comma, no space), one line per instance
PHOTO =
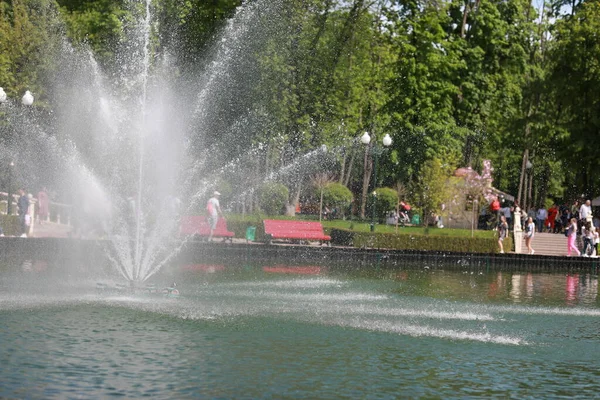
59,213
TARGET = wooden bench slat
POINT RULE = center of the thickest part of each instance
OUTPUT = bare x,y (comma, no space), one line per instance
287,229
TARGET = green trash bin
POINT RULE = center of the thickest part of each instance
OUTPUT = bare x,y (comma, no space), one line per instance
416,219
250,234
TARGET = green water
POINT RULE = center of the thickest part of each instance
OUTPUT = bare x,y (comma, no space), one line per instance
248,332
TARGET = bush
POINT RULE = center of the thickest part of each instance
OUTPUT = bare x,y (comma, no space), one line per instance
10,224
417,242
272,198
337,195
238,225
386,200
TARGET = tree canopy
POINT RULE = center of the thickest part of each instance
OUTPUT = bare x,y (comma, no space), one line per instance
452,82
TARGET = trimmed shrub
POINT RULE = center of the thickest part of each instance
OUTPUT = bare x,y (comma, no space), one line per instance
272,198
417,242
385,201
337,195
342,237
10,225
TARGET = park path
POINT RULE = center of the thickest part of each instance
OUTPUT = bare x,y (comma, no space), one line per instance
548,244
51,229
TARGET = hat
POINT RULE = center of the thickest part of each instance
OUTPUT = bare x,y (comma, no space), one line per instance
216,193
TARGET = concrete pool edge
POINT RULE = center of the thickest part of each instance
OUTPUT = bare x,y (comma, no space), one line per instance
81,250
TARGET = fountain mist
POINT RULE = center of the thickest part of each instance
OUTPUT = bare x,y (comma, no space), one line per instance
128,145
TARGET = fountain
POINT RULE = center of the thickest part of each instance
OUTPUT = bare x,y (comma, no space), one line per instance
249,329
130,150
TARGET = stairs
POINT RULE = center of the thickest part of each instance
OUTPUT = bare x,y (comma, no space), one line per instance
550,244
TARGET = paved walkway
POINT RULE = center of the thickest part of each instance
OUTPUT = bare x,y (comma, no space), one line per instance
548,244
51,229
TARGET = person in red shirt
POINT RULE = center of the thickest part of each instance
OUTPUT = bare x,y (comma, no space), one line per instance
495,209
550,221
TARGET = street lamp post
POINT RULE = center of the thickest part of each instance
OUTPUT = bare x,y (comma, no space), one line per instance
376,150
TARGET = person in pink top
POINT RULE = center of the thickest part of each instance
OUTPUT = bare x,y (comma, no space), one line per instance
43,205
571,236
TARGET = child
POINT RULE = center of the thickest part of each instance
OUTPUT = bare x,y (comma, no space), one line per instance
587,232
596,241
571,236
529,232
502,232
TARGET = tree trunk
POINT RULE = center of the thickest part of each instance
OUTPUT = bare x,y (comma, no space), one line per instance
530,191
464,20
522,178
321,206
349,169
290,208
343,168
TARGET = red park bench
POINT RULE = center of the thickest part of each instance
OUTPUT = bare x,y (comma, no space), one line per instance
197,225
294,230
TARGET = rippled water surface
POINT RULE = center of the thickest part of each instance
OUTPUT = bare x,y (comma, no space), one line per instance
300,332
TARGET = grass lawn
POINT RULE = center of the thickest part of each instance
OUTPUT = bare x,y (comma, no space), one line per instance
412,230
363,226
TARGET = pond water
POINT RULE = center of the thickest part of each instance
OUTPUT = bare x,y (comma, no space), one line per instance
279,331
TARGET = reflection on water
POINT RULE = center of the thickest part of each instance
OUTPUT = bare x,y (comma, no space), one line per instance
529,288
328,331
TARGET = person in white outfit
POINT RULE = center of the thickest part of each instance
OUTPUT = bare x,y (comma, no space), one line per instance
541,216
529,233
213,209
585,212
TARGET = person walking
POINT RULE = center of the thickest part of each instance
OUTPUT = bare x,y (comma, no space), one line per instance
585,212
552,216
540,217
529,233
507,211
23,211
502,232
565,218
587,232
571,233
43,205
213,209
596,241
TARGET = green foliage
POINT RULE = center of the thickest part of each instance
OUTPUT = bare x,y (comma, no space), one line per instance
337,195
10,225
188,27
432,189
29,38
99,24
575,77
416,242
385,201
238,225
273,198
453,83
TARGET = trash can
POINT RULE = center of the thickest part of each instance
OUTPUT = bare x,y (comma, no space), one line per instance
250,234
416,219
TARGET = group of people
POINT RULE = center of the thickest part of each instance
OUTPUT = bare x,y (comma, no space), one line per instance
568,220
557,218
24,202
